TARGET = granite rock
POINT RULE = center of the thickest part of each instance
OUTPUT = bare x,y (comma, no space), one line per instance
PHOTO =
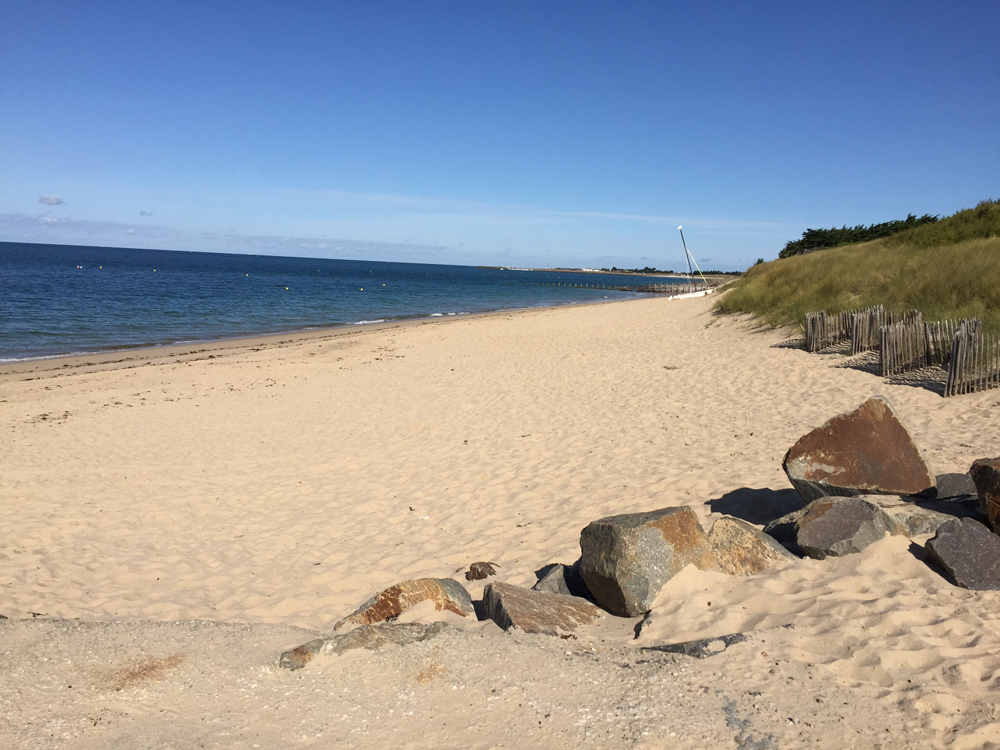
743,550
969,552
914,515
371,637
838,526
866,451
446,593
986,475
562,579
536,611
625,560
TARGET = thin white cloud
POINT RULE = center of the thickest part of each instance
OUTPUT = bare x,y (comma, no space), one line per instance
50,200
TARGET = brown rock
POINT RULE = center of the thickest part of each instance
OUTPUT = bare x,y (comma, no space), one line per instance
446,593
480,570
371,637
838,526
986,474
625,560
743,550
536,611
866,451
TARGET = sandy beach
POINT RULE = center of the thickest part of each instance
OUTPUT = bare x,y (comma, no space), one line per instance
174,519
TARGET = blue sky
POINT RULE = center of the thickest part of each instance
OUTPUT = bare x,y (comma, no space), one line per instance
515,133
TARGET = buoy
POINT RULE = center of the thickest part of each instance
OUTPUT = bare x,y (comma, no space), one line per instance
383,285
362,289
286,288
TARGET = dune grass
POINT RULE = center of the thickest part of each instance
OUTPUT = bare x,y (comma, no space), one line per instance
949,269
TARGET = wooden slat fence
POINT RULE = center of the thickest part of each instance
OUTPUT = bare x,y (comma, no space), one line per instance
902,346
867,325
823,329
975,361
939,337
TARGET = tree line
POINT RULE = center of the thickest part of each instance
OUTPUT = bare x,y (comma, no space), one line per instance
818,239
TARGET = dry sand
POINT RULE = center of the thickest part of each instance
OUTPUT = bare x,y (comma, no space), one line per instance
266,488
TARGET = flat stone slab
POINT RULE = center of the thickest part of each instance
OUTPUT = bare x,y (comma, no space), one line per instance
701,648
838,526
864,452
565,580
914,516
446,593
625,560
371,637
742,549
986,476
970,553
536,611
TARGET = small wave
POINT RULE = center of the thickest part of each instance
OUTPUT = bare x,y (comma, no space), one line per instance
368,322
437,315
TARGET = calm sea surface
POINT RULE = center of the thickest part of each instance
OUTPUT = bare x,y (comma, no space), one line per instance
56,299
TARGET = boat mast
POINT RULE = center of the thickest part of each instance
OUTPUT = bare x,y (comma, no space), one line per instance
687,255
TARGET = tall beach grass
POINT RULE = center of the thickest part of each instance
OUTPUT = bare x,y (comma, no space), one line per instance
949,269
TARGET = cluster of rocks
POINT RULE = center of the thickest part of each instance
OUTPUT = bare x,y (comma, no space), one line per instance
860,476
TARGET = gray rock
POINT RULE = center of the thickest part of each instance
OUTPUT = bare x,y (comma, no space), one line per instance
536,611
863,452
913,516
702,648
838,526
743,550
371,637
785,529
955,487
625,560
969,552
563,580
446,593
986,475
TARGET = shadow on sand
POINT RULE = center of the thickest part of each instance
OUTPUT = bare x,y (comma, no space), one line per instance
757,506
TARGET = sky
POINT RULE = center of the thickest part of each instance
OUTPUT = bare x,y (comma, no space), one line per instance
517,133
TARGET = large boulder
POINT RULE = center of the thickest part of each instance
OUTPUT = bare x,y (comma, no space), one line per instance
562,579
838,526
446,594
743,550
536,611
986,475
625,560
969,552
866,451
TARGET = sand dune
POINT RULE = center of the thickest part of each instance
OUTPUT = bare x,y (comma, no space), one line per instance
283,481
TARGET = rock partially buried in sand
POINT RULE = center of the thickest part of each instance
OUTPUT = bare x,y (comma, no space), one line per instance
445,593
371,637
627,559
563,580
986,475
536,611
703,647
838,526
743,550
969,552
864,452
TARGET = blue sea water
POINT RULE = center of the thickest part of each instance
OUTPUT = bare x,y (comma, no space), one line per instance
57,299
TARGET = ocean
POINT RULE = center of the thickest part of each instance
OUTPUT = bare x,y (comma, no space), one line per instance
58,300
